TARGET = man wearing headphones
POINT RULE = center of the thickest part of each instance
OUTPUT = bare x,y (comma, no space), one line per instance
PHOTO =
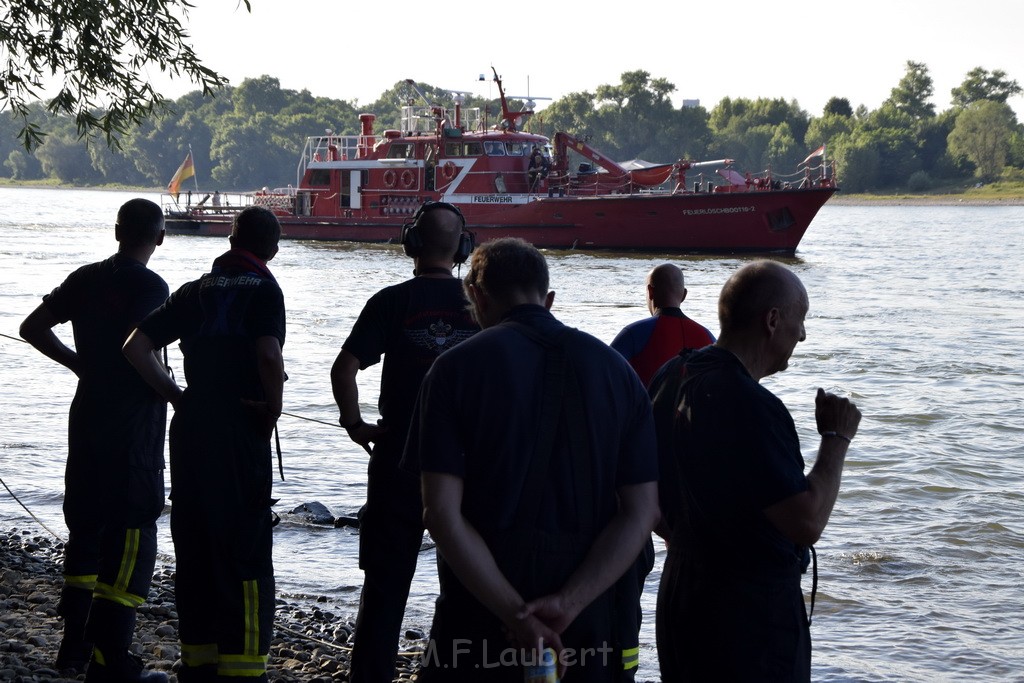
410,324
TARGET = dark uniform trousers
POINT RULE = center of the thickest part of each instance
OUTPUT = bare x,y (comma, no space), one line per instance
114,493
221,523
390,538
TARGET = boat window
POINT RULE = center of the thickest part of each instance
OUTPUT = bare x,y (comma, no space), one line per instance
320,178
494,149
452,149
514,149
400,150
474,149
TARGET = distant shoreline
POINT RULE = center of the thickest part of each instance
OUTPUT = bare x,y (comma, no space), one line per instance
923,200
837,199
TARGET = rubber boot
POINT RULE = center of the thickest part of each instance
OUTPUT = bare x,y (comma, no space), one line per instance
75,649
111,627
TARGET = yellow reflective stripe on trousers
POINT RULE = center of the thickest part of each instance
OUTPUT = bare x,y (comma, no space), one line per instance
199,655
251,607
125,598
128,558
250,663
630,658
242,665
83,581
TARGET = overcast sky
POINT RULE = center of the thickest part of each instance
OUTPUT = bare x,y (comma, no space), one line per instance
808,51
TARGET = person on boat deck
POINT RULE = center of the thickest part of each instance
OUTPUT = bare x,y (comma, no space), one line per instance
739,514
114,483
410,324
536,450
649,343
231,323
539,166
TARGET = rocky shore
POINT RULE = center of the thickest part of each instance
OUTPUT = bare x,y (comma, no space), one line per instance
310,643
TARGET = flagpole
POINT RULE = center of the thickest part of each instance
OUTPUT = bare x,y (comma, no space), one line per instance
194,176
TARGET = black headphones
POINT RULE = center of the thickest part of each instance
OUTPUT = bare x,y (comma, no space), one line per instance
413,241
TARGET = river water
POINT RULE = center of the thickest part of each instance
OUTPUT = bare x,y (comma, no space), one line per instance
917,313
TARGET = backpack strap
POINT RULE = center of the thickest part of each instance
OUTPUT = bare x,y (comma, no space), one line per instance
561,396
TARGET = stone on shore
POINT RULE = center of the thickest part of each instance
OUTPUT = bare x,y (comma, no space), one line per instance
310,643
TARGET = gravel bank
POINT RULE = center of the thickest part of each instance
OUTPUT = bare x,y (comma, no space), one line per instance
922,200
310,643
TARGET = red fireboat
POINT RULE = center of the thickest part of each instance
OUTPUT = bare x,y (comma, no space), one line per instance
509,182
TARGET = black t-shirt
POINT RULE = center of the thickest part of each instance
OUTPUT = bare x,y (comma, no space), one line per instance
410,324
479,416
736,452
218,318
104,301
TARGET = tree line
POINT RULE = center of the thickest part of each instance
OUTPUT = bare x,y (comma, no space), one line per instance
250,135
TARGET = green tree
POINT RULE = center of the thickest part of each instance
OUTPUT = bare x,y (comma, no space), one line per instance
824,129
250,152
758,133
573,114
912,93
635,115
262,95
159,145
113,166
857,163
65,158
97,52
979,84
22,166
838,106
932,148
1016,155
633,119
982,134
892,134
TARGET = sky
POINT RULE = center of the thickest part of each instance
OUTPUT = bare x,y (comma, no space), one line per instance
807,51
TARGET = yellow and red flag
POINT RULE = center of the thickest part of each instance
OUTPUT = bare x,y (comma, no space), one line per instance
186,170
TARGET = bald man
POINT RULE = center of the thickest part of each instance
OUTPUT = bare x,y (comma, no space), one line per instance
409,324
739,513
647,344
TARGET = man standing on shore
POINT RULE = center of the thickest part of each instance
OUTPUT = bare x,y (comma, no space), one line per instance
410,324
536,449
114,483
739,513
231,323
647,344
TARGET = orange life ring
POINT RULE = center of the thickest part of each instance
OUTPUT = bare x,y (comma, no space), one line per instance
407,179
389,178
449,170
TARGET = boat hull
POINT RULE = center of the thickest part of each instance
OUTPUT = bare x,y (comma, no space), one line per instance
723,222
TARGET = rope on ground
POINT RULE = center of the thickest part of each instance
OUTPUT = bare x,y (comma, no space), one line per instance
341,648
30,513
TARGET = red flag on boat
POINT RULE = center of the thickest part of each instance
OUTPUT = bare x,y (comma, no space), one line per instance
186,170
816,153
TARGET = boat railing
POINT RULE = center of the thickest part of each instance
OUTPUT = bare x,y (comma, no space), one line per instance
425,120
205,203
332,147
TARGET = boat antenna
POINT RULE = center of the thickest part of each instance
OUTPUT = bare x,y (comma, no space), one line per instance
412,84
